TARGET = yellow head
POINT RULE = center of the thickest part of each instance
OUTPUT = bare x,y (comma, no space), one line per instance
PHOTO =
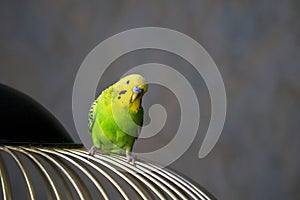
129,91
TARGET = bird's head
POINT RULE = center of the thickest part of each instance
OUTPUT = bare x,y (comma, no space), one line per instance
130,90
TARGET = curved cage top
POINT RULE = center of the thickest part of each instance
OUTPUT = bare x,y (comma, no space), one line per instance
68,173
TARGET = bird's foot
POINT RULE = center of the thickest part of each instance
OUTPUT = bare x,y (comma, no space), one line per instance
130,158
94,150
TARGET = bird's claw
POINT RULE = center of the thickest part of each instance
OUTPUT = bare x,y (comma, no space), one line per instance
130,158
94,150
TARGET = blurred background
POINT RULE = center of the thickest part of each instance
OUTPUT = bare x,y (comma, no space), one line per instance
255,44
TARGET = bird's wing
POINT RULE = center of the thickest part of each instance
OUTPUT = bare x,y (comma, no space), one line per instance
92,115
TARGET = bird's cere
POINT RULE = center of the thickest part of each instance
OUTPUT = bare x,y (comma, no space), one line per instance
136,89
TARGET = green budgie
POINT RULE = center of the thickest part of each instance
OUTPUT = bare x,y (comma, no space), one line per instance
116,116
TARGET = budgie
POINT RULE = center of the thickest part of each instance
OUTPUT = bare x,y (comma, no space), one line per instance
116,116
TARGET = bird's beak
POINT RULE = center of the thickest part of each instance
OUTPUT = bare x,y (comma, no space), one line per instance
134,96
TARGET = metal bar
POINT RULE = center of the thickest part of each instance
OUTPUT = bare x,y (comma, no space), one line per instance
64,188
174,179
100,161
135,172
65,171
128,168
186,183
106,175
25,175
180,194
84,170
42,168
5,183
145,170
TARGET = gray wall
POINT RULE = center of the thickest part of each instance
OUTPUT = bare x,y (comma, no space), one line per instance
255,45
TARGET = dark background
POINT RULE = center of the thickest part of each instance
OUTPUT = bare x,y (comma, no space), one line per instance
255,44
